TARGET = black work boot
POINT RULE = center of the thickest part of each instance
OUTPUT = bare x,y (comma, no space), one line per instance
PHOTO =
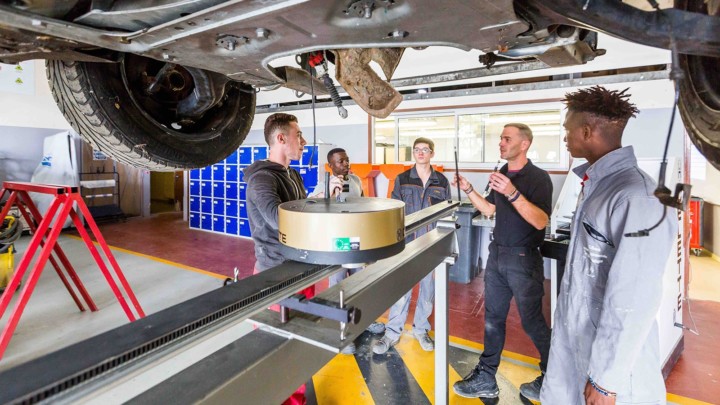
531,390
478,384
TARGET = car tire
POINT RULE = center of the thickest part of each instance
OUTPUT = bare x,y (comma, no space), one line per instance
104,104
700,96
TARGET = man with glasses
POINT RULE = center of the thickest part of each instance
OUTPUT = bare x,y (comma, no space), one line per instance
419,187
521,200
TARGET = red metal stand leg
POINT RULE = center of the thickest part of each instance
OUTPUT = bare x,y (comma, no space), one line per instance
103,245
103,268
29,205
36,271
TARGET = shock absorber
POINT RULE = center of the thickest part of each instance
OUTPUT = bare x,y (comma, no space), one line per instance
318,61
330,86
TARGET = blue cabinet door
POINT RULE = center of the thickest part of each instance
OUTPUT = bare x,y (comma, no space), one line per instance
218,223
206,173
218,171
241,173
231,173
244,227
194,187
195,220
245,155
242,191
206,222
231,208
259,153
231,226
194,204
206,205
206,188
218,206
218,189
231,191
242,209
309,176
195,174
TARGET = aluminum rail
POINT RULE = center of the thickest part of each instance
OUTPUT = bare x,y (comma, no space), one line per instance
50,376
284,356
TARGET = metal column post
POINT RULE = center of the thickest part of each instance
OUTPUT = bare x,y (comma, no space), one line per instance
441,334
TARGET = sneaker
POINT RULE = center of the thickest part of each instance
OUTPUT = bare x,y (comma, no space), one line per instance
349,349
478,384
531,390
376,328
425,341
384,344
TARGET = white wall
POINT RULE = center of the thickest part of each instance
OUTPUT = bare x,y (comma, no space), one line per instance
36,110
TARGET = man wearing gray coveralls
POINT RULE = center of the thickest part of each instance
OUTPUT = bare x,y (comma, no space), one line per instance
604,347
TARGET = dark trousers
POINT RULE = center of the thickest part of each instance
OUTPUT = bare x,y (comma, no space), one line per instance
513,272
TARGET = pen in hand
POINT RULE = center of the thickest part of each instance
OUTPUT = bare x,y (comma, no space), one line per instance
494,170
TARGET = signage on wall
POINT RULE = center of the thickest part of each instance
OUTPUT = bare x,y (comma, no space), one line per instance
18,78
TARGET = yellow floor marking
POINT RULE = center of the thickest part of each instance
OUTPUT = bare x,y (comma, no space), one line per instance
517,374
421,365
157,259
680,400
341,380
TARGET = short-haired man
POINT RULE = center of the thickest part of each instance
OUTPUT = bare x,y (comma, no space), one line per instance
419,187
605,338
339,163
521,200
272,182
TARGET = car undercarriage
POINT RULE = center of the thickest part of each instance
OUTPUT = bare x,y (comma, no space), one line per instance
171,84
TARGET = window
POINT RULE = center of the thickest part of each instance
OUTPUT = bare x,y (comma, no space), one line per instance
476,132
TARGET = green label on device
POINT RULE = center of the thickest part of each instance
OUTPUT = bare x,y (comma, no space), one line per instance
346,244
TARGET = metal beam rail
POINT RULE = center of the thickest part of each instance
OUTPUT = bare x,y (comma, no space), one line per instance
75,372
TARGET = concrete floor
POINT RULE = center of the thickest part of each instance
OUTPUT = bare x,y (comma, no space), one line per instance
51,319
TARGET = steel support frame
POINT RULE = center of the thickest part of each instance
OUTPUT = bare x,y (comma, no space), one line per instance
285,356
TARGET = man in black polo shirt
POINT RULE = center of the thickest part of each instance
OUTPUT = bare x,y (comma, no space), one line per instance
521,197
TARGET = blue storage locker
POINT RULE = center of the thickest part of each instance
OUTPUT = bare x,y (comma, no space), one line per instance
194,204
231,226
218,189
218,206
206,188
206,222
295,164
206,173
194,187
245,155
194,220
218,223
259,153
195,174
242,209
231,191
244,227
232,159
231,209
241,173
206,205
310,156
309,176
242,191
231,173
218,170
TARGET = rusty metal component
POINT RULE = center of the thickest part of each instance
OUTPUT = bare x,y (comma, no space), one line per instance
374,95
299,80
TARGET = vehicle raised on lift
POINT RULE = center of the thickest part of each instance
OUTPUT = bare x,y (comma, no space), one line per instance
171,84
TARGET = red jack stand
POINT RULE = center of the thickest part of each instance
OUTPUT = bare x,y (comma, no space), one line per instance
45,236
